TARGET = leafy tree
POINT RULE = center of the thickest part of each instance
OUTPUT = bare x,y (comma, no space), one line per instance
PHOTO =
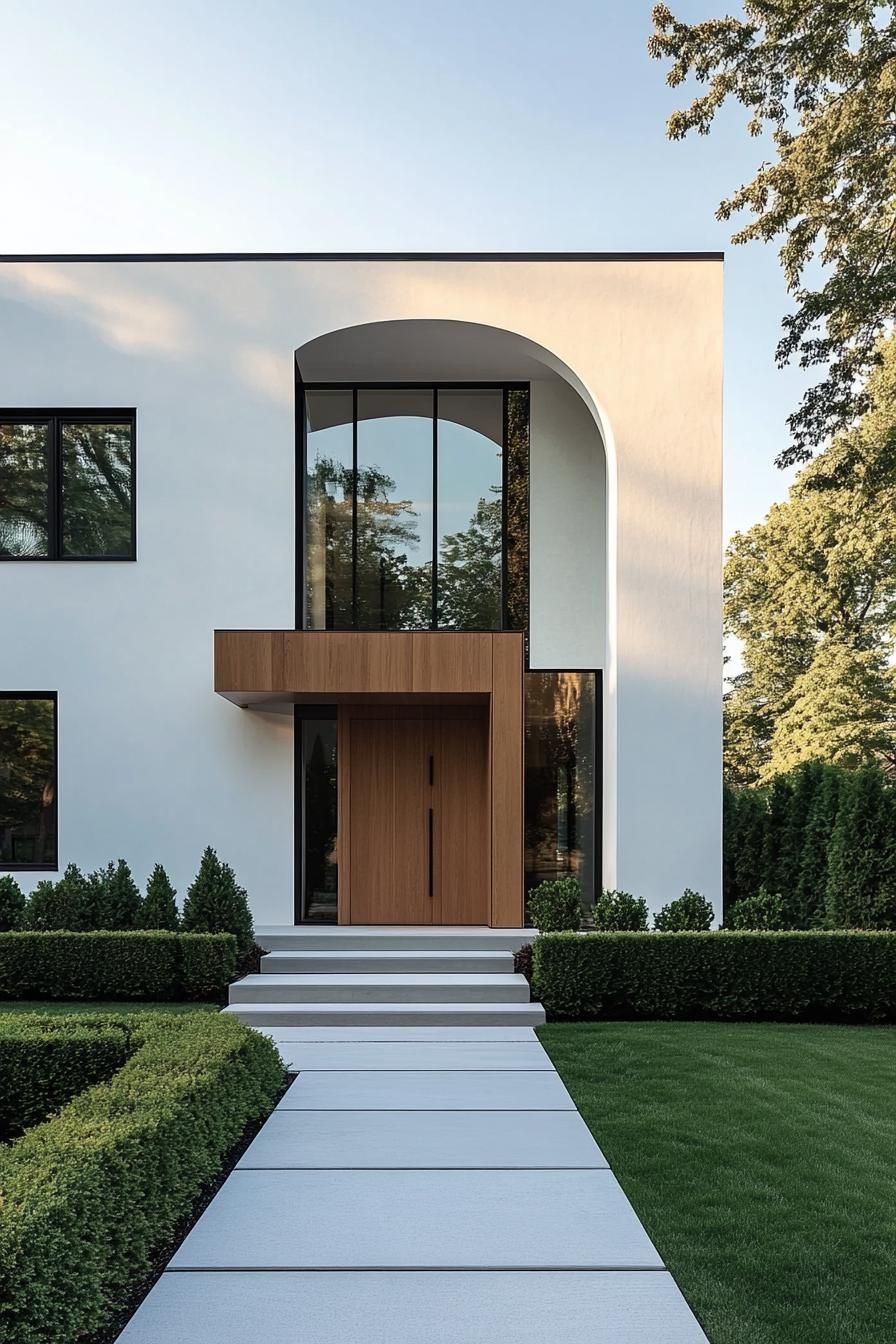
12,903
159,906
620,912
810,593
861,856
690,911
842,709
216,903
819,75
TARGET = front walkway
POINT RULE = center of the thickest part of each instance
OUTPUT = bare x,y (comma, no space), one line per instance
418,1185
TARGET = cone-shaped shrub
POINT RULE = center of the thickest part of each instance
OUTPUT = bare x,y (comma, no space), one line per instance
216,903
12,904
117,898
69,903
160,907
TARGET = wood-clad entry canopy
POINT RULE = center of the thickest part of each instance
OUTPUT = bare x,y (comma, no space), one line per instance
275,669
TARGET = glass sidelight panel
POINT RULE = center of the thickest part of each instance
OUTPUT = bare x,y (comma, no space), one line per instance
470,507
395,509
562,771
320,866
329,497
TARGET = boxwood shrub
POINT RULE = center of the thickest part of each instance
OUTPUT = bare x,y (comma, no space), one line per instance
135,965
45,1061
840,976
88,1198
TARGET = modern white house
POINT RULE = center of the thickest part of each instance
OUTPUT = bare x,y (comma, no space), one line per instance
395,578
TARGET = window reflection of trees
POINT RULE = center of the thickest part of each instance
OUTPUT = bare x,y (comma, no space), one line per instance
560,777
363,556
27,782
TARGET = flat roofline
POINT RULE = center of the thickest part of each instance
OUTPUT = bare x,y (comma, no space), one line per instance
362,256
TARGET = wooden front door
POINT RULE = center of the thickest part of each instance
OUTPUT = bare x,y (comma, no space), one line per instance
416,811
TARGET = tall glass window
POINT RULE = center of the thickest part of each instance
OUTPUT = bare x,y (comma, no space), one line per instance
470,508
393,555
319,858
329,499
561,778
27,780
416,508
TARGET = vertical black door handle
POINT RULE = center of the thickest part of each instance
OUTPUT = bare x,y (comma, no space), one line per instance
430,853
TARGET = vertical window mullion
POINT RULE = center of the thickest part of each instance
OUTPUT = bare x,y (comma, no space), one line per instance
54,489
435,508
354,508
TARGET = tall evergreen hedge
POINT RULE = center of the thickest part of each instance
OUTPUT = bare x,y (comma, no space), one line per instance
823,839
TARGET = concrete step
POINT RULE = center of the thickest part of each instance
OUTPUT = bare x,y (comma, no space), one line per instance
379,988
388,962
405,1014
391,937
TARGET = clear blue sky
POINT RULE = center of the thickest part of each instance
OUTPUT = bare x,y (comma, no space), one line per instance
190,125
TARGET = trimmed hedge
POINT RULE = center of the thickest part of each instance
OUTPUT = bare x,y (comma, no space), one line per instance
841,976
45,1061
91,1196
153,964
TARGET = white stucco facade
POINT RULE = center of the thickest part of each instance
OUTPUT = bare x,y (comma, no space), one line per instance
624,358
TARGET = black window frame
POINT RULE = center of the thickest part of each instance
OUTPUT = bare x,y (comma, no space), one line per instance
504,386
55,419
52,696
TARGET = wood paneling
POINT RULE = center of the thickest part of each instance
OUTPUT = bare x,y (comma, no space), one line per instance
332,664
463,823
244,660
507,781
388,821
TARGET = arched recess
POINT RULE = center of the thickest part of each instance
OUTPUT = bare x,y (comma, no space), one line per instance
573,521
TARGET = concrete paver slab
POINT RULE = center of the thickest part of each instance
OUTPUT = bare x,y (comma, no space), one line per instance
400,1055
418,1219
435,1139
429,1090
415,1308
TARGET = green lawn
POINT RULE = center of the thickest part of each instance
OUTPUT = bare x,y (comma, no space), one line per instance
86,1006
762,1161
